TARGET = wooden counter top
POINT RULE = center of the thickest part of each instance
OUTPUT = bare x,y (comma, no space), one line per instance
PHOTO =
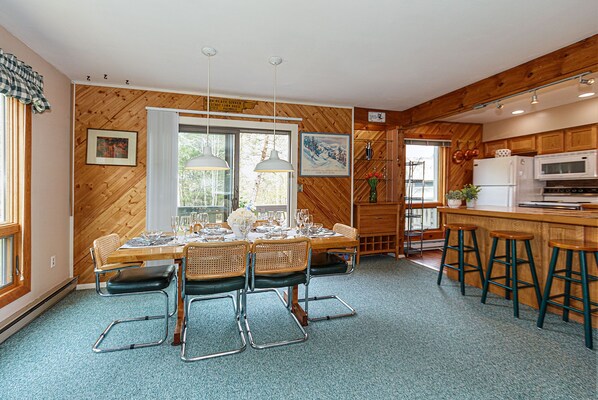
569,217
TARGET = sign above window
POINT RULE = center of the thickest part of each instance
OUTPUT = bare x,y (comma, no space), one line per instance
376,116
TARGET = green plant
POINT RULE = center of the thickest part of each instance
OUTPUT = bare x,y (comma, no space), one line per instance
470,192
454,195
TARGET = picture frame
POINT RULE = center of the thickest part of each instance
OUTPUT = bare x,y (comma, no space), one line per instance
325,154
110,147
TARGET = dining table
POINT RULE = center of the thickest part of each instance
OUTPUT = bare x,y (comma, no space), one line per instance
174,251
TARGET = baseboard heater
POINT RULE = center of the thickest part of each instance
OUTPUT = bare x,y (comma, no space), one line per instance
27,314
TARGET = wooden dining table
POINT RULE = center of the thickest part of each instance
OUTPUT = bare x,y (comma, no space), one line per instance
155,253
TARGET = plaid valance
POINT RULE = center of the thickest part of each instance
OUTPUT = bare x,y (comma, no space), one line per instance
20,81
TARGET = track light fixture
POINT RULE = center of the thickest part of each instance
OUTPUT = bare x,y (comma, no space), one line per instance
582,80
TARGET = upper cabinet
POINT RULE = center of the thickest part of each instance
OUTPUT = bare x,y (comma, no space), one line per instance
581,138
571,139
551,142
522,144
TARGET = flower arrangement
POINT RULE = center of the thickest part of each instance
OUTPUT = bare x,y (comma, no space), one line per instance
373,177
241,217
470,192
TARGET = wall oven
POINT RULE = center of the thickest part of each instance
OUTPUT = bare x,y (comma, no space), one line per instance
563,166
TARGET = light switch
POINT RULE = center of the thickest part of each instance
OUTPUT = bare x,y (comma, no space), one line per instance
300,188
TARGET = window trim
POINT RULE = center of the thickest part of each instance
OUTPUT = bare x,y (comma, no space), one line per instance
18,123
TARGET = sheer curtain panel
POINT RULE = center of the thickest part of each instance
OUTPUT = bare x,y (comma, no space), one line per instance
162,167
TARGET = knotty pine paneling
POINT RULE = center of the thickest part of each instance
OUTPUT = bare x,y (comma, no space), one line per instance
111,199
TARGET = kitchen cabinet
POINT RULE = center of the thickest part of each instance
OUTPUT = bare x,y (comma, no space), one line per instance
551,142
581,138
378,226
522,144
491,147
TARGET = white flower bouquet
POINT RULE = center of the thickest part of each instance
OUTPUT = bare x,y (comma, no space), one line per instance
241,217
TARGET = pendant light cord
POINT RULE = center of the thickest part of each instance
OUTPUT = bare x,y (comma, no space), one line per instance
275,66
208,126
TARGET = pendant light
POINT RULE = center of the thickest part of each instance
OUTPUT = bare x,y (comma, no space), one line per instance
207,161
274,163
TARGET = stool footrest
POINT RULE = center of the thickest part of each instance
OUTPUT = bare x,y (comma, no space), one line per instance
570,308
519,261
556,296
455,266
590,277
524,286
466,249
567,279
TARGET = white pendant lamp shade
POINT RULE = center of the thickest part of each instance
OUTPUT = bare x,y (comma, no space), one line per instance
207,161
274,163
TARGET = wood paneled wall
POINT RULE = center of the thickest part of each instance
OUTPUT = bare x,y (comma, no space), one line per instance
460,135
112,199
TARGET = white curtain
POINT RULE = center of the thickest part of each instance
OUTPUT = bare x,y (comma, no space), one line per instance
162,169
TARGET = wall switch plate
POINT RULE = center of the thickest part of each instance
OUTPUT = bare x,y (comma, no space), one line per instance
300,188
52,261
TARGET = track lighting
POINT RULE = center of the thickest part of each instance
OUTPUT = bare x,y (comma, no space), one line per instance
534,98
499,106
588,82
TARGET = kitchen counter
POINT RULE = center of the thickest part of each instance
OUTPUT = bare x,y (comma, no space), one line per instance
571,217
545,225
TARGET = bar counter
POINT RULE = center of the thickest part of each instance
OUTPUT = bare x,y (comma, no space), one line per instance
545,225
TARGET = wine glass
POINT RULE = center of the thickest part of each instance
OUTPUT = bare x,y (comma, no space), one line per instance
298,220
244,228
281,217
271,218
185,223
174,224
308,221
203,219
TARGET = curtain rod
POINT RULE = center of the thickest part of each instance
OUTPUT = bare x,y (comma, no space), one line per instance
224,114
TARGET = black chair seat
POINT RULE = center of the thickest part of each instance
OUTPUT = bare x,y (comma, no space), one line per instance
280,280
327,264
214,286
146,279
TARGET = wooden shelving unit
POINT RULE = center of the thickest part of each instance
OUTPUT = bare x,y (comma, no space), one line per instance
378,225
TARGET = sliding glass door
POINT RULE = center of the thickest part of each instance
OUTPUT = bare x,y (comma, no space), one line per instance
220,192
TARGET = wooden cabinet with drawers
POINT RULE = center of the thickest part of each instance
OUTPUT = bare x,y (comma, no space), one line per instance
378,226
581,138
491,147
522,144
551,142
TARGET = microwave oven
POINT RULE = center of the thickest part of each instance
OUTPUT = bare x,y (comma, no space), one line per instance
563,166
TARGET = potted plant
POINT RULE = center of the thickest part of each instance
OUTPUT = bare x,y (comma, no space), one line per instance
470,194
454,198
372,178
241,220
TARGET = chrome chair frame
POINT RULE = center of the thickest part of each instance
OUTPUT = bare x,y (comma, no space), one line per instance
237,304
98,272
352,311
287,304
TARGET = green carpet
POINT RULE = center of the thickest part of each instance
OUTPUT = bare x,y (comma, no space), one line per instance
410,339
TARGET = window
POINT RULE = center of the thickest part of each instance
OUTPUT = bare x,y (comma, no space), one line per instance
15,156
428,180
220,192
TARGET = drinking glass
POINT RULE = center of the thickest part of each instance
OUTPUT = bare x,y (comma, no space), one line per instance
298,220
308,221
244,228
174,224
271,218
185,222
204,218
281,217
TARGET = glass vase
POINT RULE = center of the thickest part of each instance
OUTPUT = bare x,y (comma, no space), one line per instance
373,192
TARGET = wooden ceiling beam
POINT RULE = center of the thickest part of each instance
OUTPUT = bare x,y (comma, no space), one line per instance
574,59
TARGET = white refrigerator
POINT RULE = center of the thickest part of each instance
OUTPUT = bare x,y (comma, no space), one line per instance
506,181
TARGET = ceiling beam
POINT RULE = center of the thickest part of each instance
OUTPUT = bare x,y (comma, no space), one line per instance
568,61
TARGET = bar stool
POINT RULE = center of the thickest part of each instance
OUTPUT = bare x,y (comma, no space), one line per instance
580,247
511,262
461,249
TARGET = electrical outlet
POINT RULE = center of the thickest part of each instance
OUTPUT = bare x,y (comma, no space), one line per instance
52,261
300,187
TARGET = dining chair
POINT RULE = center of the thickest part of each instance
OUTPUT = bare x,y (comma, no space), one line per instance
334,263
278,264
209,270
262,222
130,279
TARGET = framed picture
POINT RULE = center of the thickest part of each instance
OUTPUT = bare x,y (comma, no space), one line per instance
324,154
106,147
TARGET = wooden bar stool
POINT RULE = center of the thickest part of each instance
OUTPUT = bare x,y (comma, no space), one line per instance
461,249
511,262
581,248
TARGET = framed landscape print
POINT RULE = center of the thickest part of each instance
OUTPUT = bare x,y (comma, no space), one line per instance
325,154
105,147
